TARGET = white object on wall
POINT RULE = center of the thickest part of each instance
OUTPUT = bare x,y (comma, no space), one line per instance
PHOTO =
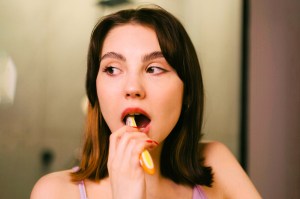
8,79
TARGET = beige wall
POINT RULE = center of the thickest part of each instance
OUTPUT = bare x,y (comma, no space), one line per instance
215,28
274,120
47,41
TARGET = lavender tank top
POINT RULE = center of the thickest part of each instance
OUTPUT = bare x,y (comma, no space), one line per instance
198,193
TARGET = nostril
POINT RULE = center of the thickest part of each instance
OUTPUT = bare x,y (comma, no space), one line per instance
134,90
133,94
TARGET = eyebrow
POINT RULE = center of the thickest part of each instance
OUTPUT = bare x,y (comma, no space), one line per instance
153,55
145,58
113,55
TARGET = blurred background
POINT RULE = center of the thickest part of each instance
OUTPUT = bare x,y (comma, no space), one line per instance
248,51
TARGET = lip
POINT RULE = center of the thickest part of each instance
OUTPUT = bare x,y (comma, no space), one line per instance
132,110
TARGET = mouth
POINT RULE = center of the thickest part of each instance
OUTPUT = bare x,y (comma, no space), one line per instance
141,120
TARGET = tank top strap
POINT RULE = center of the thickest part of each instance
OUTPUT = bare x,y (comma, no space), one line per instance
81,185
82,190
198,193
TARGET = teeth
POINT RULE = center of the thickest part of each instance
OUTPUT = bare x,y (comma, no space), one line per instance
131,114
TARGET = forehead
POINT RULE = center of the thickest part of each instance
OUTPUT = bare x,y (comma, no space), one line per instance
132,37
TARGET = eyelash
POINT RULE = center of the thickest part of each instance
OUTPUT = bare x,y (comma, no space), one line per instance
156,70
161,70
110,70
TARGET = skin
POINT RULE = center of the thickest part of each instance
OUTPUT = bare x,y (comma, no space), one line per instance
134,76
130,80
142,79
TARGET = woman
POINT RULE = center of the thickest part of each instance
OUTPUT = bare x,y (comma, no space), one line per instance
142,62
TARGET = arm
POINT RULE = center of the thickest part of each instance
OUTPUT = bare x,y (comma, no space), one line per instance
229,177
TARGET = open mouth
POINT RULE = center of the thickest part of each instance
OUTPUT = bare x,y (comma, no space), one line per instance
141,120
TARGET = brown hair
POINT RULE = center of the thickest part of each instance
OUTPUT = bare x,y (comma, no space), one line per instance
181,159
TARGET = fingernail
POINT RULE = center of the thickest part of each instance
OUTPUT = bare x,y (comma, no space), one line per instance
149,141
152,142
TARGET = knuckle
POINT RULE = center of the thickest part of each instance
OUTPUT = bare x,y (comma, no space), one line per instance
112,137
138,149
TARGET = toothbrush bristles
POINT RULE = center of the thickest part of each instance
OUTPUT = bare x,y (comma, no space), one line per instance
130,121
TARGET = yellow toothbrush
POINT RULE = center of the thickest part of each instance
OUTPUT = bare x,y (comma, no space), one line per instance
145,158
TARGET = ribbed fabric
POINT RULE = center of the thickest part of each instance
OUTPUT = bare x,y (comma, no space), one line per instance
82,190
198,193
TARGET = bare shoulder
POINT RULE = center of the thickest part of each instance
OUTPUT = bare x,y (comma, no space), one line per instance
227,172
215,152
55,185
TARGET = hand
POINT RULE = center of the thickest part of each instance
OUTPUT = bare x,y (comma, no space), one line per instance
126,174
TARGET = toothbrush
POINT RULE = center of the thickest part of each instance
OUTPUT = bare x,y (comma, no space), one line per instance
145,158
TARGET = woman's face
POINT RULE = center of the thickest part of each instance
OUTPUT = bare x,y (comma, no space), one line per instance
135,78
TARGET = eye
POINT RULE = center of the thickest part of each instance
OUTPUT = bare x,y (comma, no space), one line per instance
112,71
155,70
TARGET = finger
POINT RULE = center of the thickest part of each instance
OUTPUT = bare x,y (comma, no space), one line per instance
134,138
115,138
151,144
113,141
118,160
133,147
129,139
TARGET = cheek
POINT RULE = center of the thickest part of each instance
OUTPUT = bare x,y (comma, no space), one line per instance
174,104
170,105
106,92
102,94
174,96
168,115
106,102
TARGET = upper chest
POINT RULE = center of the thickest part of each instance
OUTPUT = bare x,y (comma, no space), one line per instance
103,190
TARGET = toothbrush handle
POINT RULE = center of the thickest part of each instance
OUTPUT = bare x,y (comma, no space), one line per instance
145,158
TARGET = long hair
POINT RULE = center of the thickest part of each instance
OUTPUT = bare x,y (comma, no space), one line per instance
181,159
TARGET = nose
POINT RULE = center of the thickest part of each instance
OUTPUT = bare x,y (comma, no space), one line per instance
134,88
